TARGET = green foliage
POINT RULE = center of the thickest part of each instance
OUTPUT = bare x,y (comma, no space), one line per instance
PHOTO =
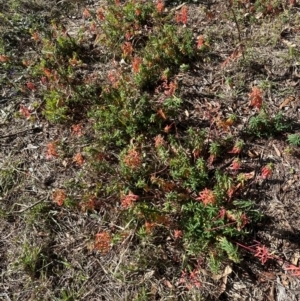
196,139
29,258
230,249
192,176
222,185
215,148
146,151
209,226
8,178
55,108
168,47
123,19
122,113
214,263
294,139
135,112
264,125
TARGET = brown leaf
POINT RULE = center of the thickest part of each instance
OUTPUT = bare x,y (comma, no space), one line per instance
225,124
249,175
288,184
4,58
288,43
161,113
78,158
238,52
227,272
59,197
253,154
51,150
168,284
77,129
276,150
286,102
295,258
168,128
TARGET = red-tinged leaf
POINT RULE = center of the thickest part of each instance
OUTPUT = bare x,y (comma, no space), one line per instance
24,111
177,234
262,253
207,196
136,64
77,129
200,42
128,200
51,150
47,72
4,58
196,153
59,197
170,88
100,14
127,49
167,128
294,270
149,226
256,98
86,14
267,171
102,242
30,86
78,158
93,27
161,113
211,159
235,165
44,80
235,150
182,16
160,6
90,204
36,37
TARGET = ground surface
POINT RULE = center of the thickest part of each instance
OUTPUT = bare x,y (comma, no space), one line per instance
46,251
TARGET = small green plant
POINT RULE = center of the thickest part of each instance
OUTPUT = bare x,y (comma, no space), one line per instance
265,125
30,259
208,224
294,139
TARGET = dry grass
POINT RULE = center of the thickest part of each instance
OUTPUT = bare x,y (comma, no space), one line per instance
52,209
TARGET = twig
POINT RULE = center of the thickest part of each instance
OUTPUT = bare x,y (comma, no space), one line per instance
220,227
31,206
21,132
237,26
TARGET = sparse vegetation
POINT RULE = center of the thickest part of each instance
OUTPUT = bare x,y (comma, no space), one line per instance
133,138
